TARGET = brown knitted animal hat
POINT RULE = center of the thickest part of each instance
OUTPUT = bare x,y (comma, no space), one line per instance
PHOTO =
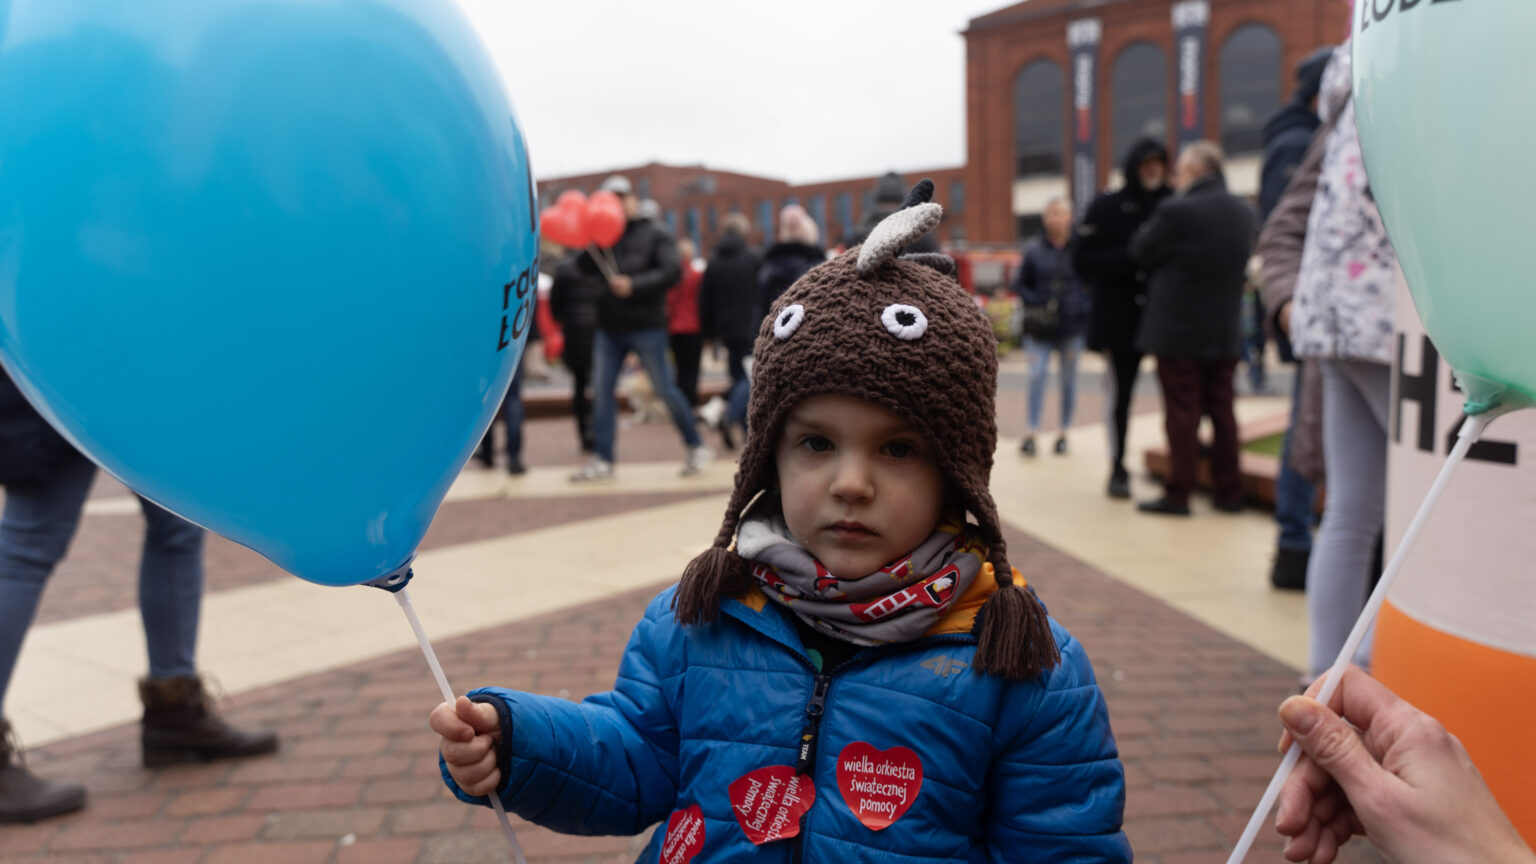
902,333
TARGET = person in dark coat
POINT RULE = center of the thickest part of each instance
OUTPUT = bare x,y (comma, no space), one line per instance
1047,281
573,299
798,250
890,193
1288,133
728,309
632,317
1117,284
1196,246
1287,136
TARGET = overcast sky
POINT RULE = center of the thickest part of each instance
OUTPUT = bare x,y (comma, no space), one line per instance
801,90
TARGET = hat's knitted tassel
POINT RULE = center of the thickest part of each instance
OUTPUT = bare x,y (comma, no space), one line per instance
1015,640
715,574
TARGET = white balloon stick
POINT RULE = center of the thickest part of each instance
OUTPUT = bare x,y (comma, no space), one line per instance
403,597
1471,431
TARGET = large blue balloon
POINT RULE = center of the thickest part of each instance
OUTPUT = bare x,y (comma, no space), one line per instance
269,262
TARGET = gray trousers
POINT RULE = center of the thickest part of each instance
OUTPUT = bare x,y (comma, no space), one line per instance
1356,396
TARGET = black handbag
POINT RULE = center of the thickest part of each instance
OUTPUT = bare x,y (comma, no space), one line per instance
30,449
1043,320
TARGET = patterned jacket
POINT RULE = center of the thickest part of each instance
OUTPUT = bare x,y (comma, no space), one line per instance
1343,306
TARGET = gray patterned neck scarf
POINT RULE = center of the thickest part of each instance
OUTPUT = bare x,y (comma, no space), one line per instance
897,603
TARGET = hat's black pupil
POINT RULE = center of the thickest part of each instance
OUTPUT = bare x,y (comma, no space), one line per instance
906,319
785,320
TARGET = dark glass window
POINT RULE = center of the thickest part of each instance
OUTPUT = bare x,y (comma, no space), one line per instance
957,198
1250,86
765,219
818,211
1039,96
845,213
1138,85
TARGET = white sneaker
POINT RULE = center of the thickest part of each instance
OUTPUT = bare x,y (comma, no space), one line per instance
698,459
712,412
596,469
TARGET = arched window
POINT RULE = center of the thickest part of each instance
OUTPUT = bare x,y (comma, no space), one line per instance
1039,94
1250,86
1138,97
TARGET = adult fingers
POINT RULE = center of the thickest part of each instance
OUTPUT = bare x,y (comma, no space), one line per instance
1332,744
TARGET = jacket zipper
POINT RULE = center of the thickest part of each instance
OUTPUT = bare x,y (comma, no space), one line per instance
816,708
805,763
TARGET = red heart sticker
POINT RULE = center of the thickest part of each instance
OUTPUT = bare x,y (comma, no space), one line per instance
878,785
685,836
769,802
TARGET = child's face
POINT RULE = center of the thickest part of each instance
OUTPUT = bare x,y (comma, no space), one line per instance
860,486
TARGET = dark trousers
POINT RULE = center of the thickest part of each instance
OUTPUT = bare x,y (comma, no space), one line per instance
1191,389
736,353
578,359
511,414
687,349
1123,365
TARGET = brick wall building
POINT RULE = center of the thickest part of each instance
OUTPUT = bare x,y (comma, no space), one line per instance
1174,69
693,199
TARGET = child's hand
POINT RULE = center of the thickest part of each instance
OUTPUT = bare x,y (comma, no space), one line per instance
469,731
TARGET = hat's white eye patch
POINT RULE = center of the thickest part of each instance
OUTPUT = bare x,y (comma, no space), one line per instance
904,322
788,321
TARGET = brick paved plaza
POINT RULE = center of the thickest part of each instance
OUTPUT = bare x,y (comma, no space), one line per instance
356,778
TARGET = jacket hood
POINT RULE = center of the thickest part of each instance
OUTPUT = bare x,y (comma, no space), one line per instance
1288,118
1141,151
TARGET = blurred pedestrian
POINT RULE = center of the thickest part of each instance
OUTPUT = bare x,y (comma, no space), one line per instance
1287,136
1055,318
890,194
728,307
46,483
573,301
1196,247
798,249
1341,316
632,318
511,414
683,322
1117,285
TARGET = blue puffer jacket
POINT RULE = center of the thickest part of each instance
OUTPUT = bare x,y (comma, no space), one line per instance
1011,772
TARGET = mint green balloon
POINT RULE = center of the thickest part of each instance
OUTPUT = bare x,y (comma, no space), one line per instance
1447,121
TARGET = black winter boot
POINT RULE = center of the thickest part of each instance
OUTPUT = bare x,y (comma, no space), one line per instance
182,725
25,797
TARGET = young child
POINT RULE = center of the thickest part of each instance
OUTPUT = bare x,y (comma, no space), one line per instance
852,672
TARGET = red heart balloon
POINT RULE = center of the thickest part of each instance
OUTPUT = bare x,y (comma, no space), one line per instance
878,785
769,802
552,224
605,219
684,837
571,195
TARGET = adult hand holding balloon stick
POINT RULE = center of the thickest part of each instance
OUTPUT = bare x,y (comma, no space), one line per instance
303,240
1436,114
